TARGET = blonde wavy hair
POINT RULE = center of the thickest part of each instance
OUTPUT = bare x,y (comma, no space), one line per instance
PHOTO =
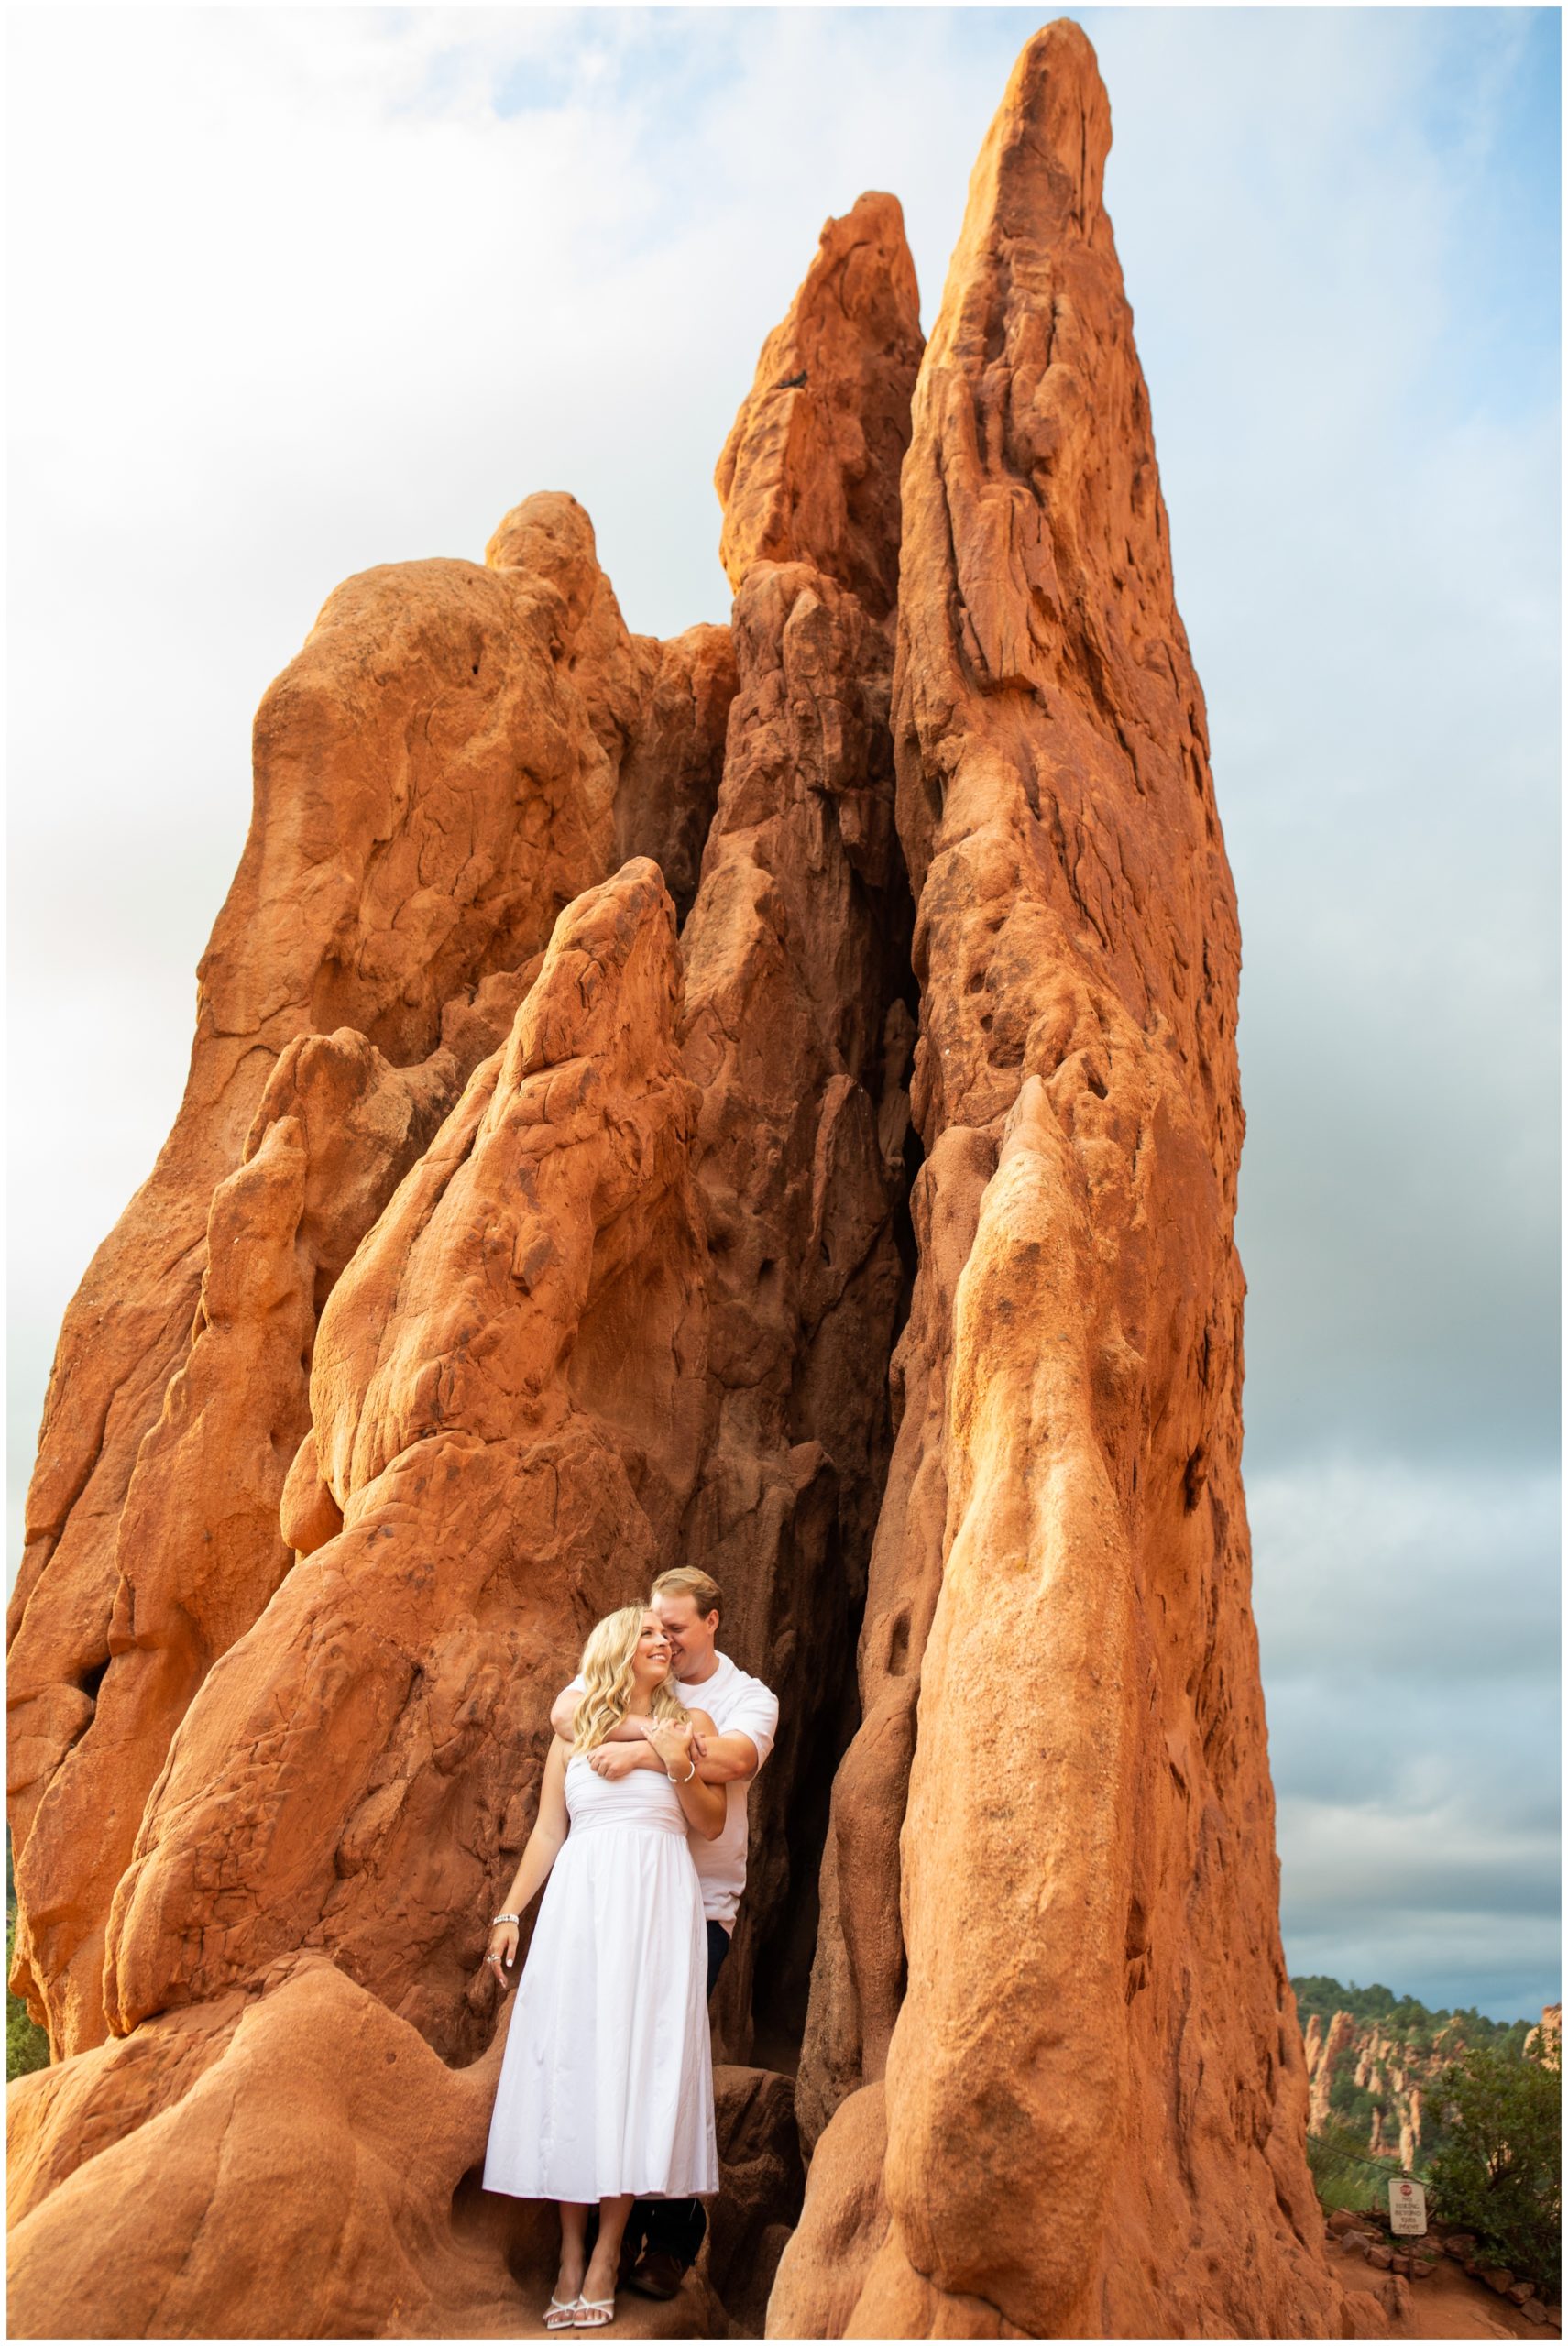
608,1679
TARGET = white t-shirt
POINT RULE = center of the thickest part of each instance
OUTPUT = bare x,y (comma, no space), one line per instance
738,1703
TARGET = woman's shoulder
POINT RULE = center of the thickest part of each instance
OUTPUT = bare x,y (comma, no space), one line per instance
701,1721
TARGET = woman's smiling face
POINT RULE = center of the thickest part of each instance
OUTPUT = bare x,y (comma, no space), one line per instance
654,1653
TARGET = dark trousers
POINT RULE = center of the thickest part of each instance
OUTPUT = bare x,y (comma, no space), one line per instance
677,2226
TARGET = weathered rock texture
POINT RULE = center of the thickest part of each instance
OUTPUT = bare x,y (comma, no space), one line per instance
437,777
584,1111
797,1037
1093,2080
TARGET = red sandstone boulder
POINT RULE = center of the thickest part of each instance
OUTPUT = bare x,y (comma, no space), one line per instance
472,1430
436,776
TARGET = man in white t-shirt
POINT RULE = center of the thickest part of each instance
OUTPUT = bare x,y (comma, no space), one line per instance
746,1714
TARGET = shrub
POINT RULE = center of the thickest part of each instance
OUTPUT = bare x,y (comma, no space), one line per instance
27,2045
1499,2175
1342,2175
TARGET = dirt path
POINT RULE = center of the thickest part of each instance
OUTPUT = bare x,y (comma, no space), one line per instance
1450,2303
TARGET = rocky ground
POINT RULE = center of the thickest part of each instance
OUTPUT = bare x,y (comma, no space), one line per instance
1423,2288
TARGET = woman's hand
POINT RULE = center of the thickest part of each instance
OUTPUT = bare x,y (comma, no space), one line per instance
502,1951
672,1742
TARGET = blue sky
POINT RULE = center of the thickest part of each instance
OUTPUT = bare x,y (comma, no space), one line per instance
321,289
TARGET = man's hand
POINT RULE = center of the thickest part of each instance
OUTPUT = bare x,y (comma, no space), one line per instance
614,1760
672,1744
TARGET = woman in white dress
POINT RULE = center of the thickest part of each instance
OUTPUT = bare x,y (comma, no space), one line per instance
606,2091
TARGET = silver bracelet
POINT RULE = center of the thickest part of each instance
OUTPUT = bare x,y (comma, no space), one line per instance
686,1778
504,1918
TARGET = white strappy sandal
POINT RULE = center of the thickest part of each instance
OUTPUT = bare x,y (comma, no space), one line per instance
561,2313
595,2313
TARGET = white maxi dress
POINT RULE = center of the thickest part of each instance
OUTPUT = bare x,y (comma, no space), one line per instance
607,2080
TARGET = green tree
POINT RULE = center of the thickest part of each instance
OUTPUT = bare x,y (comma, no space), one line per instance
1499,2175
1404,2017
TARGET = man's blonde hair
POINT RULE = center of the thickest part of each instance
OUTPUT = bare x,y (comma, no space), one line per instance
608,1679
686,1581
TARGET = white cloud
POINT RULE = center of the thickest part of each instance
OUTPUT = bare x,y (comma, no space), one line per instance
1436,1903
1395,1571
1409,1623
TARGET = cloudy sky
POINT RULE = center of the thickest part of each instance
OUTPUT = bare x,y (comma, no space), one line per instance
298,291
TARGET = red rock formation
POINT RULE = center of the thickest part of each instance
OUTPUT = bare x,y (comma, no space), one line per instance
1326,2054
1096,1999
282,2189
1544,2041
797,1039
811,469
1312,2043
543,1183
1398,2066
489,1457
473,1431
435,777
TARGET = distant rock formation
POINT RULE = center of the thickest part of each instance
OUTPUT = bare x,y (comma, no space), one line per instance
1545,2039
1327,2051
766,1099
1376,2077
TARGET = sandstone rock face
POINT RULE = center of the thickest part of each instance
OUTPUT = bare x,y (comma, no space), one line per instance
765,1099
1326,2052
487,1513
812,466
1057,1644
796,1033
435,779
1545,2040
310,2057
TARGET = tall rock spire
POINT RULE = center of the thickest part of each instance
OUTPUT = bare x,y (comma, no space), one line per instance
1037,2086
810,469
796,1030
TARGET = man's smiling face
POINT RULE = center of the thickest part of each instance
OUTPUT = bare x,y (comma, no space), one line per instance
691,1636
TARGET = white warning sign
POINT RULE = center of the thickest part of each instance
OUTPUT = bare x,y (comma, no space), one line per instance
1407,2206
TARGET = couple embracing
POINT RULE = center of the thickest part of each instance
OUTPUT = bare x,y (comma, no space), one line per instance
606,2095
